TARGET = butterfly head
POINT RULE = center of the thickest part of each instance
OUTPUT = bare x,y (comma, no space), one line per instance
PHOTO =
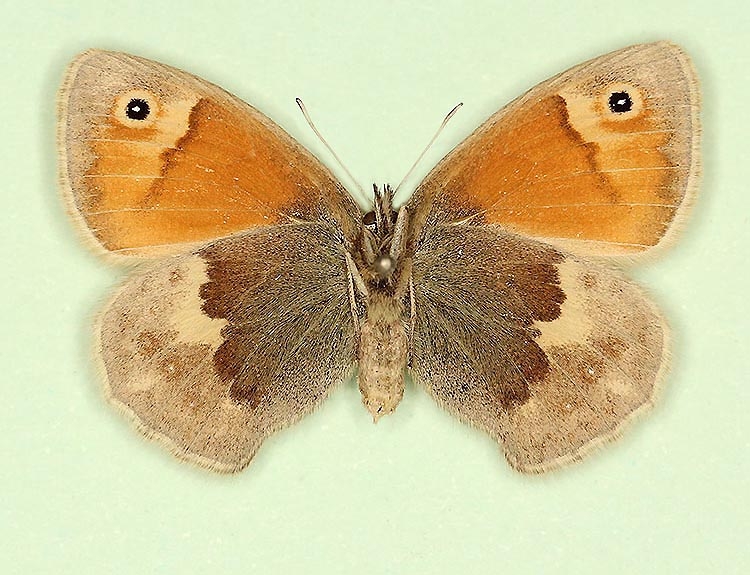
382,236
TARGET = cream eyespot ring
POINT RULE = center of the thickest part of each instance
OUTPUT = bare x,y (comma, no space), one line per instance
136,109
621,102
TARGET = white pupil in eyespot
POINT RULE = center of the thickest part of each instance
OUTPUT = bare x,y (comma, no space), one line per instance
620,102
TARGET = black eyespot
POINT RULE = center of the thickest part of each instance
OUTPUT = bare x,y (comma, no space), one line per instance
620,102
137,109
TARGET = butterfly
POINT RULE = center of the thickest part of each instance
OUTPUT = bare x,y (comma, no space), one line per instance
262,285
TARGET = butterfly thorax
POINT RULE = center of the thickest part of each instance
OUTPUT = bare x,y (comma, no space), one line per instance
381,276
378,255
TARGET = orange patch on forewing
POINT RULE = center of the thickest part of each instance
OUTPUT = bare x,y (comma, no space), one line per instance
559,168
128,157
198,173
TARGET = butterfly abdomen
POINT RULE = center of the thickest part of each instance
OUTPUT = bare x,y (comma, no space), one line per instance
382,356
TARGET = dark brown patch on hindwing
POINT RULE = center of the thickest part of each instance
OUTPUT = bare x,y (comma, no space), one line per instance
278,303
479,293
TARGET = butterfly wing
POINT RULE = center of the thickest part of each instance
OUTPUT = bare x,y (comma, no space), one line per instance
154,159
213,351
601,159
548,353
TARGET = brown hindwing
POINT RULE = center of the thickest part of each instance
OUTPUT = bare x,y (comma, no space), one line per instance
212,352
547,353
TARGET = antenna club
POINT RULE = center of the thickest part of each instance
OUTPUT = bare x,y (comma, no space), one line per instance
429,145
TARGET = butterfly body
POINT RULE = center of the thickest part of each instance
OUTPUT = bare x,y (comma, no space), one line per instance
382,276
496,286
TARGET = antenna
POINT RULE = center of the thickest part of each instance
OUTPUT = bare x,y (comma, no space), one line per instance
429,145
328,147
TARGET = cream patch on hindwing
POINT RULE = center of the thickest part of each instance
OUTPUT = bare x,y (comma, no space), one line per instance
187,317
598,347
574,324
174,331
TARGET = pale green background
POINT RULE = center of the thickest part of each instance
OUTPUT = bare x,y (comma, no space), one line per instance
80,492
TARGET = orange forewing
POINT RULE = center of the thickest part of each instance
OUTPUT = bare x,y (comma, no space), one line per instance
561,165
202,165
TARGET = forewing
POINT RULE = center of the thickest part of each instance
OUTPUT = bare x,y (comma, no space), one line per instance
213,351
153,158
549,354
600,160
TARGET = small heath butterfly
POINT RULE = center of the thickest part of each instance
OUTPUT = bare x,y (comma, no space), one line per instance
263,286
